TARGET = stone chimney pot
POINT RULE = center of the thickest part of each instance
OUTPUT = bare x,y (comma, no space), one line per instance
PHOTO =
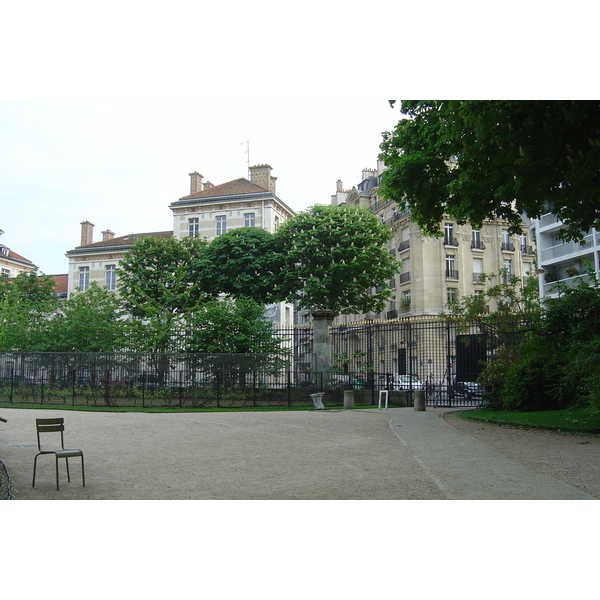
87,233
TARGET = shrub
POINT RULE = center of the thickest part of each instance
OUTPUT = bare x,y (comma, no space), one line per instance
524,378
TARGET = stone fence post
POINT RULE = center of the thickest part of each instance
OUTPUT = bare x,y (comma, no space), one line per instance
322,321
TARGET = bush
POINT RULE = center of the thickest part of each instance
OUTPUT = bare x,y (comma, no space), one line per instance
524,378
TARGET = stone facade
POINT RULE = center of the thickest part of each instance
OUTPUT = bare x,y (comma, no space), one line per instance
98,261
436,270
206,212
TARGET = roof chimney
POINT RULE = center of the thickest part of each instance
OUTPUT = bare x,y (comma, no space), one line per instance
87,233
340,187
196,182
108,235
208,185
261,175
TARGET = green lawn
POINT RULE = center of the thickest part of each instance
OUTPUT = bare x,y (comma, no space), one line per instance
580,420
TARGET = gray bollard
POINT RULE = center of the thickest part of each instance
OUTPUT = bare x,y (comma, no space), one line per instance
348,399
420,400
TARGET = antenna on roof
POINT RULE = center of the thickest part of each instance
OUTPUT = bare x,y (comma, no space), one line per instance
247,142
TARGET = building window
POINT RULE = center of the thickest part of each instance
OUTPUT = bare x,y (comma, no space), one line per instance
221,225
406,298
276,222
194,227
451,272
507,274
110,277
84,278
449,239
452,295
476,239
249,220
478,276
507,245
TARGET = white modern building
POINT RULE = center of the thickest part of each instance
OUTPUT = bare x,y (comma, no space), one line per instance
561,261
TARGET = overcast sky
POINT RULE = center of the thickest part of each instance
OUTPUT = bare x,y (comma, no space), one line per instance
104,111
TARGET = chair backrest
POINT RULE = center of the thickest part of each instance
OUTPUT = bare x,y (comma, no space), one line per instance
50,425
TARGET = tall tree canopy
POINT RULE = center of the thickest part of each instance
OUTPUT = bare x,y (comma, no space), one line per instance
88,321
476,160
243,263
159,288
26,305
157,277
335,256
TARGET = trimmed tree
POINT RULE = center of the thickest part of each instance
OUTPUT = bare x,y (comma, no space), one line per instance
334,257
243,263
159,287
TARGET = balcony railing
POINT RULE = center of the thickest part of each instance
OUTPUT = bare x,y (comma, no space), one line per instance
478,278
450,240
567,248
525,249
508,247
477,245
403,245
404,277
451,274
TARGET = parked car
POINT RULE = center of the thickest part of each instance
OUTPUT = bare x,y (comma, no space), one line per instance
467,389
408,382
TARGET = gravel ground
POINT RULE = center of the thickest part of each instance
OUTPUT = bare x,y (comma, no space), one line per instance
280,455
571,458
224,456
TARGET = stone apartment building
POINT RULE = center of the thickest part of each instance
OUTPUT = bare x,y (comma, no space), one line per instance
207,212
403,339
436,271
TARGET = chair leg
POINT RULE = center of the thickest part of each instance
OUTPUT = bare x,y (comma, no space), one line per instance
34,466
57,472
82,471
68,474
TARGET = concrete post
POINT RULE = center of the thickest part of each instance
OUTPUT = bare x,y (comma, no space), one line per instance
348,399
420,400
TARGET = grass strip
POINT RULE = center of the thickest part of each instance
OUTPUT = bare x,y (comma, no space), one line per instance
571,420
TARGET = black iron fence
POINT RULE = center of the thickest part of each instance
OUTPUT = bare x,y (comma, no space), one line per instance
406,355
153,380
401,356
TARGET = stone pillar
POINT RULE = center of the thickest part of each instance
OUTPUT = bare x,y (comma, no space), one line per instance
348,399
322,320
420,400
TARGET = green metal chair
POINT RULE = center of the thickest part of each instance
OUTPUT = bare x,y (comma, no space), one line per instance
50,426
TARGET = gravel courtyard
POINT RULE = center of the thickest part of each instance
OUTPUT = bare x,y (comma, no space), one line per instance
357,454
